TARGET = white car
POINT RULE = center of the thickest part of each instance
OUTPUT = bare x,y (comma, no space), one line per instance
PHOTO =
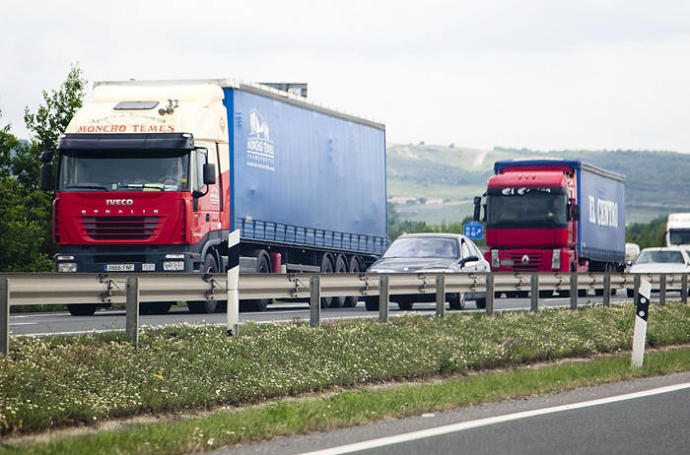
661,260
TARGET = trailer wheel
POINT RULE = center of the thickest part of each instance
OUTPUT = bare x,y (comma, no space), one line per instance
82,310
263,265
205,306
340,267
456,300
326,267
371,303
351,301
155,307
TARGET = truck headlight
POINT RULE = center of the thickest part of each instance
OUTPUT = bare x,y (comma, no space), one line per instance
67,267
556,259
495,261
173,266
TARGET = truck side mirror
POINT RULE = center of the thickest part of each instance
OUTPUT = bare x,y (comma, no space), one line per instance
477,207
209,174
46,156
575,212
47,183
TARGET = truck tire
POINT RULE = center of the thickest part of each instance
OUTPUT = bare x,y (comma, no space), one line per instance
456,300
405,304
205,306
371,303
263,265
326,267
351,301
81,309
340,267
480,303
155,307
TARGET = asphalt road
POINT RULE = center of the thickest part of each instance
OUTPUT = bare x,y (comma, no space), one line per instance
635,417
64,323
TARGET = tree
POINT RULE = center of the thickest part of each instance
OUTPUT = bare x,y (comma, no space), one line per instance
25,217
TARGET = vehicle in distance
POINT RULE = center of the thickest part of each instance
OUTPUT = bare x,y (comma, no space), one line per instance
661,260
678,229
550,215
154,176
431,253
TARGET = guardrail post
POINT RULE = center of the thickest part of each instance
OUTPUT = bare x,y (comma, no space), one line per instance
384,290
607,289
636,286
534,293
573,291
662,289
441,295
489,294
4,317
315,301
684,289
132,305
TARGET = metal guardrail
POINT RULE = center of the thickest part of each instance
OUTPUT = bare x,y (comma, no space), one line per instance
83,288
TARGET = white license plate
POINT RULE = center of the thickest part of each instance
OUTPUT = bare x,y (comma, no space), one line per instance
119,268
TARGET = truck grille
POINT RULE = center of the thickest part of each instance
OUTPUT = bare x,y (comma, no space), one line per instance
120,227
536,260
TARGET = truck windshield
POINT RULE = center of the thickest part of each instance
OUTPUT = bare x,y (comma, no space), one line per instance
516,208
679,236
124,171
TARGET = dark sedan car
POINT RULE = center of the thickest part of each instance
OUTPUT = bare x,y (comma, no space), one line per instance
432,253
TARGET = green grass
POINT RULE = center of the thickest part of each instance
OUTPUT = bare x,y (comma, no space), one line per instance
281,418
60,381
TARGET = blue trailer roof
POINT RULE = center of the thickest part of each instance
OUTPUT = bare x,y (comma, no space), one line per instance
573,164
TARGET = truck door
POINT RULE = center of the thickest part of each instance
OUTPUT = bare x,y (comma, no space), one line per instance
207,208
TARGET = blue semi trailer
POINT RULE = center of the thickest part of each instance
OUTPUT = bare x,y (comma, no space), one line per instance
154,175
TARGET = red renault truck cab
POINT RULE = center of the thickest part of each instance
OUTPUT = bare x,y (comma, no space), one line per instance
533,217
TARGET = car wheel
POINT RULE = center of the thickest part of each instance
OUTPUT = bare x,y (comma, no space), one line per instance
405,304
480,303
82,309
630,293
155,307
371,303
456,300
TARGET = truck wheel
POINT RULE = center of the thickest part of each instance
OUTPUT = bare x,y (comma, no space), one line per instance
326,267
82,309
371,303
456,300
405,304
351,301
205,306
262,266
480,303
155,307
340,267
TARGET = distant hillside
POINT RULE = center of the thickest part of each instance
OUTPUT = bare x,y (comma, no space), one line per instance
436,183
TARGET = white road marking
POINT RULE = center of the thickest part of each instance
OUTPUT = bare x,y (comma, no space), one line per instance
23,323
431,432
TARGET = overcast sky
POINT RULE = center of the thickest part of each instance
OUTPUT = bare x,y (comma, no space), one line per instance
537,74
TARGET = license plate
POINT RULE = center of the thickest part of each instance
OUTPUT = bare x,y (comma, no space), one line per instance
119,268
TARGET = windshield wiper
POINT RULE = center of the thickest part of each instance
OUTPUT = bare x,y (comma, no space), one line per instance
89,186
157,186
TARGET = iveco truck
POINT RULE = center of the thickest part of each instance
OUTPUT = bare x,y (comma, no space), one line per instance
548,215
153,176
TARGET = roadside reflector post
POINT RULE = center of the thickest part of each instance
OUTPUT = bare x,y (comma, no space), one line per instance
684,289
641,315
315,301
534,293
489,294
384,290
233,284
441,295
4,317
607,289
132,308
573,291
662,289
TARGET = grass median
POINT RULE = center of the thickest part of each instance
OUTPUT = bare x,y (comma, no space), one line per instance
58,382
